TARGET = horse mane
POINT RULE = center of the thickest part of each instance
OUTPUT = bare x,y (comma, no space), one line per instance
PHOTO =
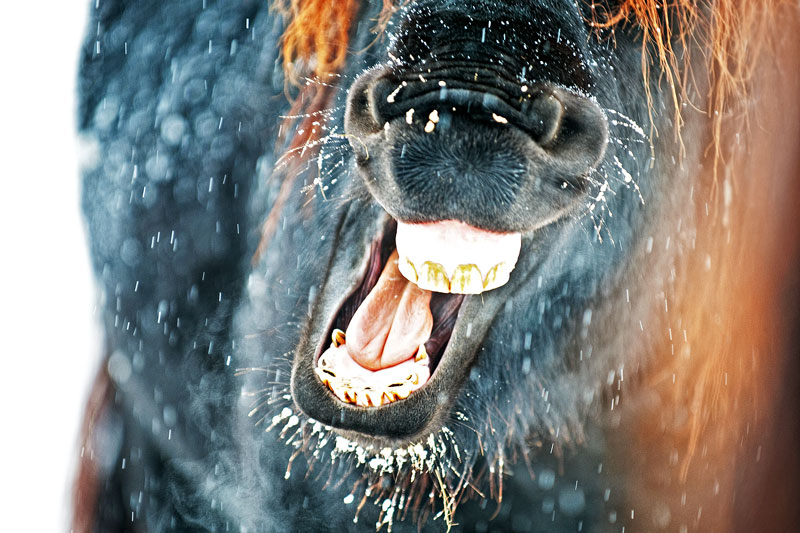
314,50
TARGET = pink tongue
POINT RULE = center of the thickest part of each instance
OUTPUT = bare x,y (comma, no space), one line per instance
391,323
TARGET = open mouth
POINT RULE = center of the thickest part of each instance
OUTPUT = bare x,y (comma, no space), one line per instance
389,335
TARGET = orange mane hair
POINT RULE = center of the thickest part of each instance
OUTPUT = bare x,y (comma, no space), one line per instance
317,35
727,28
314,50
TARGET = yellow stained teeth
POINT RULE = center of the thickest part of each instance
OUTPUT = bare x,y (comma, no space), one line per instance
337,337
365,388
433,277
497,276
373,397
466,279
341,394
407,269
401,394
422,354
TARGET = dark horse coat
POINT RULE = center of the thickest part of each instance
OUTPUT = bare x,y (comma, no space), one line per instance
249,166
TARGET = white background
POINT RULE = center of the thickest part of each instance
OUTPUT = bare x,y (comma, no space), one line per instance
49,342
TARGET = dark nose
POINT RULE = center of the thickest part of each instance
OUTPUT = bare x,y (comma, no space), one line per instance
570,128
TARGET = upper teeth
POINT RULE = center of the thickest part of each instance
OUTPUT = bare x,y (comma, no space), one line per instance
454,257
464,279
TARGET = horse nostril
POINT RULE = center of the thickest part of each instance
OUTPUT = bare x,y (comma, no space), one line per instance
359,118
544,115
579,140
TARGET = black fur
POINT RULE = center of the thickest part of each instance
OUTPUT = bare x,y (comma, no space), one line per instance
182,102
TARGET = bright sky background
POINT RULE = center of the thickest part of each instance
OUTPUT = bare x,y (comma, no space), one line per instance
49,343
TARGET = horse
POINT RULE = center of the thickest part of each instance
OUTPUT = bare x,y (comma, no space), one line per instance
519,265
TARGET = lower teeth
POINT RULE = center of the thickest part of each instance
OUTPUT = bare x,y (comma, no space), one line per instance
368,388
